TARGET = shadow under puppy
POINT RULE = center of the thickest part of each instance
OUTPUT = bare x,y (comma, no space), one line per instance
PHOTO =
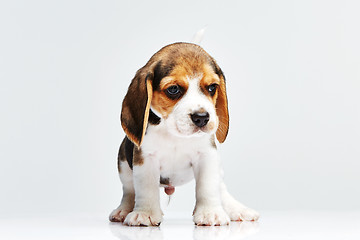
175,106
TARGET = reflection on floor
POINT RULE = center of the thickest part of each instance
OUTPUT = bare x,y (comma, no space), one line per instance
272,225
185,230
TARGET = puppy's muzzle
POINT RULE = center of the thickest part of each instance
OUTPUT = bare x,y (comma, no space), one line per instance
200,119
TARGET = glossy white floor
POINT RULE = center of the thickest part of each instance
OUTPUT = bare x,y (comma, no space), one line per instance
272,225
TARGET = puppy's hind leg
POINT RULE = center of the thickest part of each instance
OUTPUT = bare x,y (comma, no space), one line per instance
128,200
236,210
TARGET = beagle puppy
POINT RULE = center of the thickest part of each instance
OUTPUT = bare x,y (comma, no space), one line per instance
175,106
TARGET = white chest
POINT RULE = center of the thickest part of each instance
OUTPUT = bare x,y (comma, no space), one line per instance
173,155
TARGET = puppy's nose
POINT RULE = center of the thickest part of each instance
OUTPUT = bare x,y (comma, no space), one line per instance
200,119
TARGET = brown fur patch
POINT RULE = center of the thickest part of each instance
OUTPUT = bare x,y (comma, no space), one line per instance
222,112
121,155
173,80
138,159
208,79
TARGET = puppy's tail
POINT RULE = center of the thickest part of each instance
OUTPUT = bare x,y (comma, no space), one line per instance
198,37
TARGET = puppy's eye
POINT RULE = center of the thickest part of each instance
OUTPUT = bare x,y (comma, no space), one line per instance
173,89
212,89
173,92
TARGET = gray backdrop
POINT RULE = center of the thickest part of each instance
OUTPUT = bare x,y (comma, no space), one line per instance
293,78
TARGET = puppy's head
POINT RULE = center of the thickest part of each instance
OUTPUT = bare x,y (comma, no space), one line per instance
183,85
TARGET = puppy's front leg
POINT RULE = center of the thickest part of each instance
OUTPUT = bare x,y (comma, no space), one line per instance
208,209
146,177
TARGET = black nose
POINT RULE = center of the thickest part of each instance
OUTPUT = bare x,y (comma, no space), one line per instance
200,119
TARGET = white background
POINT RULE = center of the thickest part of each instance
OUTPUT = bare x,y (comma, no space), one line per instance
293,78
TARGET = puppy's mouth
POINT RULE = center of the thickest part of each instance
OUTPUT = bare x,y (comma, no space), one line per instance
199,132
195,131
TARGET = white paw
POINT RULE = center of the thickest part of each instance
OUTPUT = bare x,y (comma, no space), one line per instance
119,214
242,213
143,218
210,216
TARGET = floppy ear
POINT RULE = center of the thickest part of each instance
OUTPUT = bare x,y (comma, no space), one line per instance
136,106
222,108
